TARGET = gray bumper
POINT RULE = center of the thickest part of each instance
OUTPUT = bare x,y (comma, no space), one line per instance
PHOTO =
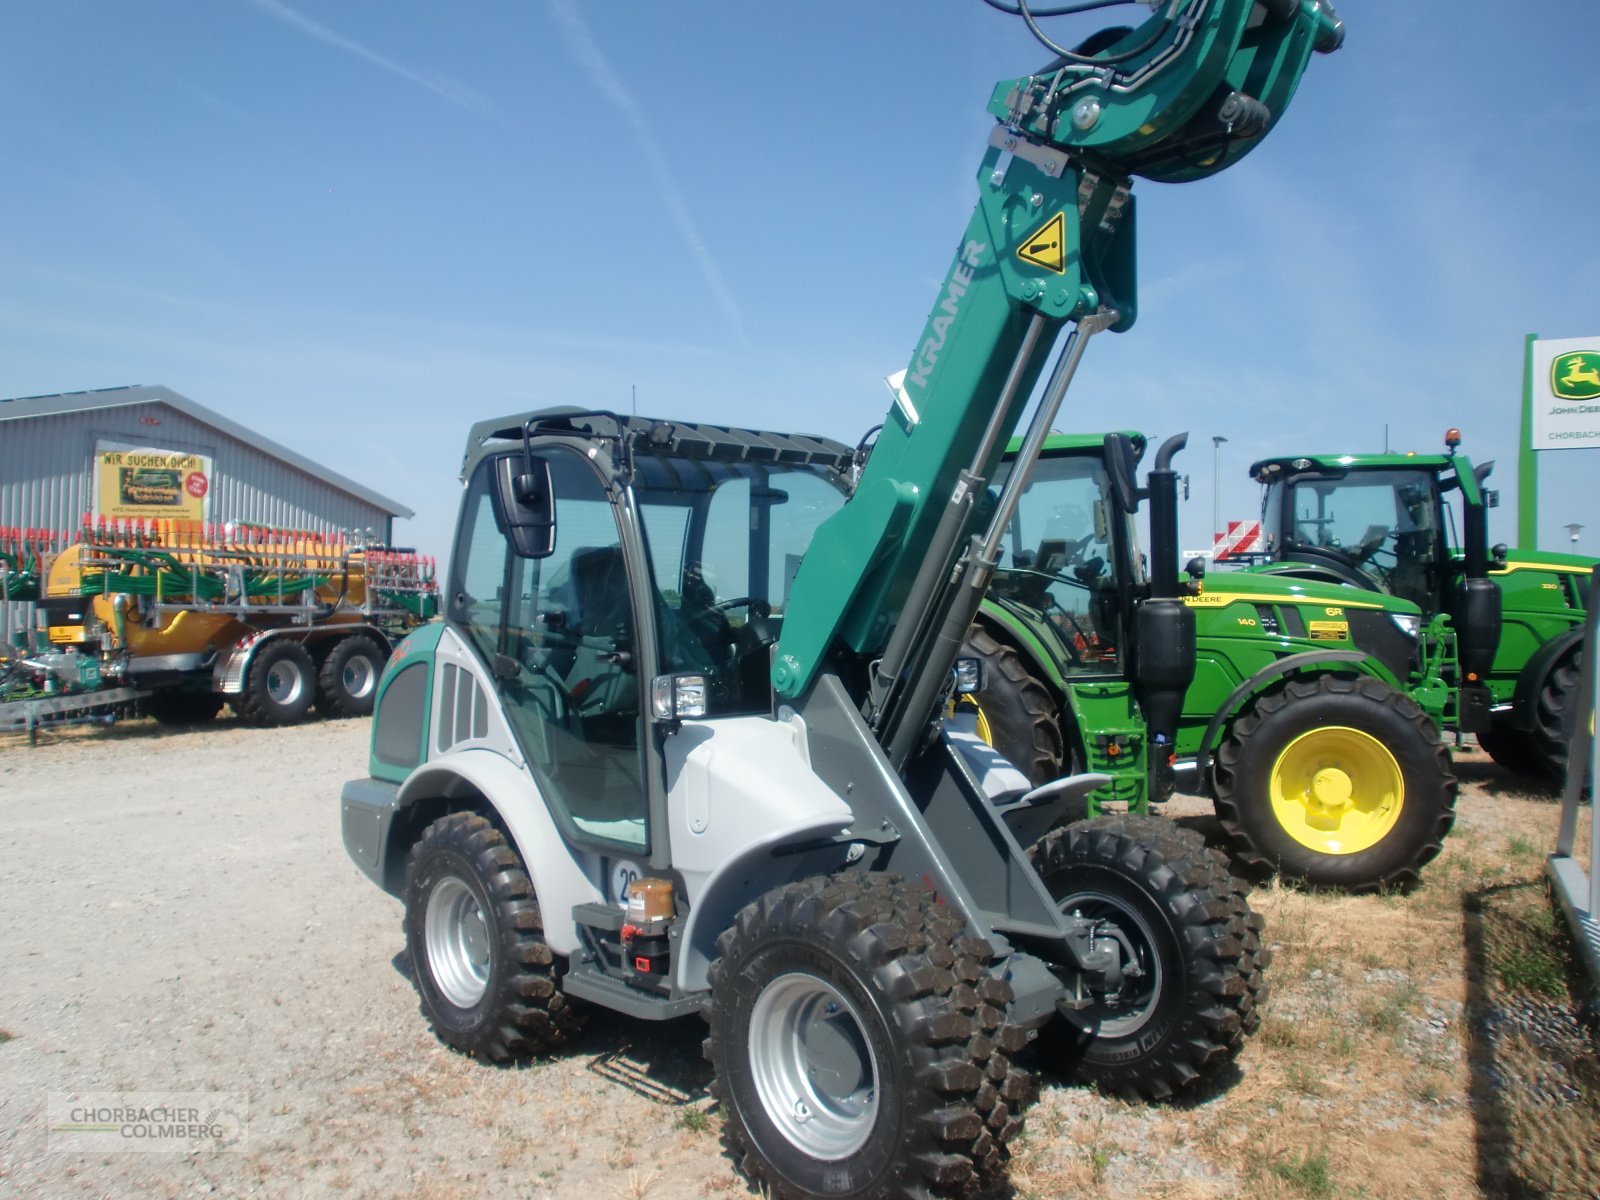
366,810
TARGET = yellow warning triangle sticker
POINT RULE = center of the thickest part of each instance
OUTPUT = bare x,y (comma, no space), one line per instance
1046,246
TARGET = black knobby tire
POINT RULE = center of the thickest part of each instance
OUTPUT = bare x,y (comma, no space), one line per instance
1023,717
1513,749
924,1017
1176,910
279,686
1552,713
472,924
347,683
177,707
1300,713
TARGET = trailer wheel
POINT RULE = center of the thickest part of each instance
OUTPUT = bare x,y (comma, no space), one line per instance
1017,715
280,685
1190,947
177,707
347,684
489,984
860,1044
1335,782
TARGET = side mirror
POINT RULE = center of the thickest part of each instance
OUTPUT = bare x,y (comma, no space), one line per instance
524,504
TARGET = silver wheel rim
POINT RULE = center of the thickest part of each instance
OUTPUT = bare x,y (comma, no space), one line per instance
1126,932
457,937
285,682
813,1066
358,676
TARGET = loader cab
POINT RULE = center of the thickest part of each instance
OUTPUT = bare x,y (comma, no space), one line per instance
657,555
1072,553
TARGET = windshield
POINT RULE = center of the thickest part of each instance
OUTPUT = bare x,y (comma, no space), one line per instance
724,541
1060,556
1385,523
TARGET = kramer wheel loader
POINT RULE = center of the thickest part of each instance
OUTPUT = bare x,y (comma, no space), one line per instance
679,745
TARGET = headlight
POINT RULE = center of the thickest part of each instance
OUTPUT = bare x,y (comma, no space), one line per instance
1407,624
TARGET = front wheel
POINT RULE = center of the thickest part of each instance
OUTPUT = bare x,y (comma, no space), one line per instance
280,685
488,983
1336,782
1188,947
860,1044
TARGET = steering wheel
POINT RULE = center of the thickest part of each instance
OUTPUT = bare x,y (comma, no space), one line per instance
757,606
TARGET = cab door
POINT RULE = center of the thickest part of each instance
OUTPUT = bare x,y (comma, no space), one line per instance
559,636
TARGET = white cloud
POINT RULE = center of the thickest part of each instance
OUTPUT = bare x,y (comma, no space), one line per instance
439,85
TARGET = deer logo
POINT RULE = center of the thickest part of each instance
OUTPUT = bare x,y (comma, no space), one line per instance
1575,375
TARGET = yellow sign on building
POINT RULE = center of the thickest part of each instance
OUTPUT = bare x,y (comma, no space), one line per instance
150,482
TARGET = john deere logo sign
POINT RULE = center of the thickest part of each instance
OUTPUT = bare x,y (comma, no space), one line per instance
1564,393
1575,375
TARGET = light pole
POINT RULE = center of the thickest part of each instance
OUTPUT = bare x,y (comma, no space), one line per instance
1216,486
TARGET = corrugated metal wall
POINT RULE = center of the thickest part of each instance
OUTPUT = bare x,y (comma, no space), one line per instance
47,473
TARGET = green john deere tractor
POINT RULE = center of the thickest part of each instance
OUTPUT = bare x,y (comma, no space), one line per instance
1387,524
1313,718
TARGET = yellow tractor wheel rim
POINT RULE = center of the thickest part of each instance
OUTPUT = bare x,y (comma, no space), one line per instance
1337,790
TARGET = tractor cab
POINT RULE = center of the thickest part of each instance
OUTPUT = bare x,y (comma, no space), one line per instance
1377,526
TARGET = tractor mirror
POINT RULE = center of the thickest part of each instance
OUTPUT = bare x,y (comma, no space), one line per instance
525,504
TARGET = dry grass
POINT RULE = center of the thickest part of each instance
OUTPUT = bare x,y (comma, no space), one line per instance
1379,1070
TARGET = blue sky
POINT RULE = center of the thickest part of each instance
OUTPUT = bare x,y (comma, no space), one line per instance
359,226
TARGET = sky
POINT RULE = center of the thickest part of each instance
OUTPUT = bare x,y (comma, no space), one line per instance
357,227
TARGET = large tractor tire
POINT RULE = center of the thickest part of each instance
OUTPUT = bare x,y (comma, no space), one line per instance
279,686
860,1044
1193,975
1335,782
489,984
1513,749
1017,715
347,684
1553,710
177,707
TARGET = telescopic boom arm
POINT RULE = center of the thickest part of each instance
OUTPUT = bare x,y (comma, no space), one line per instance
1051,243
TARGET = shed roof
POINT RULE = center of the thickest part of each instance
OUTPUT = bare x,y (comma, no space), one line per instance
22,407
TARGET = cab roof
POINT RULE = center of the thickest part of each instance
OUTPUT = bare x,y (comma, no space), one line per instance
1288,464
686,438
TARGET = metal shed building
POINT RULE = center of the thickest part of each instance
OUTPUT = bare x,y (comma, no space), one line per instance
50,448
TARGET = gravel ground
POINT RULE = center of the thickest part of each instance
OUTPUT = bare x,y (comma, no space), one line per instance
181,918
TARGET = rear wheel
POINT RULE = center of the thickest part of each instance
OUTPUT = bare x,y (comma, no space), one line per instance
488,982
1552,713
1188,945
1335,782
280,685
1512,748
1017,714
348,680
860,1044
